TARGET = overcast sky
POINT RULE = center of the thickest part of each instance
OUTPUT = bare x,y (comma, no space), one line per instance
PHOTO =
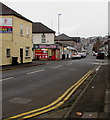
79,18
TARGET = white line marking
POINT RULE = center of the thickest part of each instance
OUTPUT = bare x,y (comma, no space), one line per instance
104,63
58,66
98,68
6,79
36,71
69,64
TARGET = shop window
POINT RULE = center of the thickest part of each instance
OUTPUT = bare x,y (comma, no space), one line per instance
8,52
27,31
43,39
27,51
21,29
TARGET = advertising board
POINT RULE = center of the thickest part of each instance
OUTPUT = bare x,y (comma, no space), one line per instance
41,54
6,25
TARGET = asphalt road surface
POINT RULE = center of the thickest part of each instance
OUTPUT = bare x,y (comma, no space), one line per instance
30,88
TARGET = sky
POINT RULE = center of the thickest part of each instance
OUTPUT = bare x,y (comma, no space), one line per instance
82,18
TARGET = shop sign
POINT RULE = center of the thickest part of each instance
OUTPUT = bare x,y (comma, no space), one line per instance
5,29
5,21
46,46
6,25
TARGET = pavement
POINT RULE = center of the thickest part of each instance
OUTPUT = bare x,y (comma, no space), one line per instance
24,65
93,102
18,66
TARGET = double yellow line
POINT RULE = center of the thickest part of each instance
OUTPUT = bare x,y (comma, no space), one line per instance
54,104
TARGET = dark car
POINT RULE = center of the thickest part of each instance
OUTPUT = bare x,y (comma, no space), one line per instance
100,56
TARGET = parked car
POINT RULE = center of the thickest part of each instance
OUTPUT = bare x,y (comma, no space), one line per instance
83,54
76,55
106,54
100,55
95,53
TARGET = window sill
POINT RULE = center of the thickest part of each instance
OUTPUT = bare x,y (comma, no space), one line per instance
21,35
8,56
27,57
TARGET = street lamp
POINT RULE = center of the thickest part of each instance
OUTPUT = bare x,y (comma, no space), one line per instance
59,24
108,45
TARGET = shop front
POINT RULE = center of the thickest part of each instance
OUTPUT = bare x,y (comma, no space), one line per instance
46,52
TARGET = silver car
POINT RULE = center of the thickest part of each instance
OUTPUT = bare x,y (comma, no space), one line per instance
75,55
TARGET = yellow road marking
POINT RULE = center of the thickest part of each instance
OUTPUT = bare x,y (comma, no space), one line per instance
56,101
59,104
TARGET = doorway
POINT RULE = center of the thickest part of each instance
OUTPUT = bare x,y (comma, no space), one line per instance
21,55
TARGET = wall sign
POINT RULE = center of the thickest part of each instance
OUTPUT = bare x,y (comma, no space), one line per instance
5,29
51,46
6,25
5,21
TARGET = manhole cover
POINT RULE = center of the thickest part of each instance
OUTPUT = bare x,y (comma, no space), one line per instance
20,100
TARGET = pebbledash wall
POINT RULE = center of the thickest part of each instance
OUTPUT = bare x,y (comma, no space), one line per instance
49,38
12,41
52,49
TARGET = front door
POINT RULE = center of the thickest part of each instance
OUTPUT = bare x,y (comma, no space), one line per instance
21,55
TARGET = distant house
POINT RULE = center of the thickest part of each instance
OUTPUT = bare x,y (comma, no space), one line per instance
15,37
69,45
43,43
104,47
64,39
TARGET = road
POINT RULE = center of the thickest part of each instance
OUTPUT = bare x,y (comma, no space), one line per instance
34,87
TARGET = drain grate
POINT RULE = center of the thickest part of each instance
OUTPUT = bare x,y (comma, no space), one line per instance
20,100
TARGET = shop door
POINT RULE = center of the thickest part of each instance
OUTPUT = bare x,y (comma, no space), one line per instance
53,55
21,55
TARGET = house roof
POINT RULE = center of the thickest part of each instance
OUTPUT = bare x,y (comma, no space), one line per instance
38,27
107,42
77,39
64,37
5,10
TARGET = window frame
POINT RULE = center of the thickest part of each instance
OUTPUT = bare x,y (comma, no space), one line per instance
21,29
27,31
8,52
27,52
43,38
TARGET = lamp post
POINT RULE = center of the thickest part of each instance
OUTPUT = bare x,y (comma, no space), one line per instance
59,24
108,45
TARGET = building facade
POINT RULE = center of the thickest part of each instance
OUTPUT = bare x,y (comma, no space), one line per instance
68,45
64,39
15,37
43,43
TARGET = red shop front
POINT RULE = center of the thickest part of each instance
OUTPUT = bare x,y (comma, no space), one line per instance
41,54
46,52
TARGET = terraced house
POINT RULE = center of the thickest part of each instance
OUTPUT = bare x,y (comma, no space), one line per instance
43,43
15,37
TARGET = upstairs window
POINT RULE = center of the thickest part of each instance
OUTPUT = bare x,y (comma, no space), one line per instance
27,31
43,39
21,29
